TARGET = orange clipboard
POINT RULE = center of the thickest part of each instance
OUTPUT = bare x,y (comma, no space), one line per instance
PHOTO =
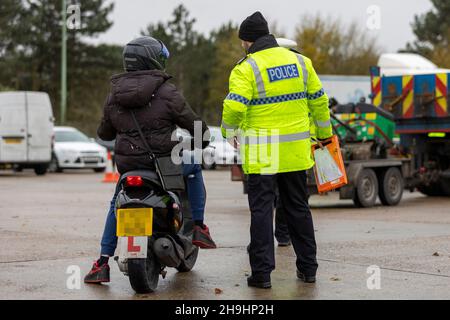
329,169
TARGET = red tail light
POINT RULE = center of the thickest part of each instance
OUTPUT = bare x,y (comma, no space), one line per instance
134,181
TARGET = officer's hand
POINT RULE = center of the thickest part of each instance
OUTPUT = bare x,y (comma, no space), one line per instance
234,142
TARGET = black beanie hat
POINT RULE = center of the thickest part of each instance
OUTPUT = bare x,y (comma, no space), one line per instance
253,27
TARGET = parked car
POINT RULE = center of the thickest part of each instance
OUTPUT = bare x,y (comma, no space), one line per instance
74,150
184,137
26,131
219,151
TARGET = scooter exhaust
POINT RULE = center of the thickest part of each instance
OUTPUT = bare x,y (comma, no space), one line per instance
168,252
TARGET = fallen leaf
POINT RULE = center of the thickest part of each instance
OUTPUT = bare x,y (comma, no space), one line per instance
218,291
436,254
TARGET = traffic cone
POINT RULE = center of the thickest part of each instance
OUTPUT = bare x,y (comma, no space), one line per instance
110,175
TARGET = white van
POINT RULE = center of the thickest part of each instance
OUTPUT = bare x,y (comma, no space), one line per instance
26,131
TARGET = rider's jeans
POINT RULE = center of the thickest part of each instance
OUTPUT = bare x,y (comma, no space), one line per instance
197,199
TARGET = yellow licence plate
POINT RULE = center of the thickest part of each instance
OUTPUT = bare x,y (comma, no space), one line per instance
134,222
13,140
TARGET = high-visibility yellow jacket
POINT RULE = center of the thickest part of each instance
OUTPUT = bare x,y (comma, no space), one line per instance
271,94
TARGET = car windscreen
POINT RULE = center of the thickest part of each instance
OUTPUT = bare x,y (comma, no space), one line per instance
70,136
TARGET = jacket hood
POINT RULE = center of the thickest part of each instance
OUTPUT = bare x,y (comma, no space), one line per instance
135,89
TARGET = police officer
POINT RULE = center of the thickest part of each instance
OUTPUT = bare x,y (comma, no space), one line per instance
271,93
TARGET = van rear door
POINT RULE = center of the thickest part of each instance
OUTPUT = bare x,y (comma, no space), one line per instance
40,127
13,135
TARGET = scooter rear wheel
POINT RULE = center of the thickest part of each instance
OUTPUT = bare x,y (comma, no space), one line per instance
144,273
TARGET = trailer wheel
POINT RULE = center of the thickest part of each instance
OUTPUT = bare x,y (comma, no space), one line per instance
366,192
391,187
41,169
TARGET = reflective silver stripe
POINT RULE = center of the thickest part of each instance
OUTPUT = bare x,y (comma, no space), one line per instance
304,70
258,77
322,124
277,138
227,126
294,136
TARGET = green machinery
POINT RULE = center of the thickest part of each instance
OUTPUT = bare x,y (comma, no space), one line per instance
363,122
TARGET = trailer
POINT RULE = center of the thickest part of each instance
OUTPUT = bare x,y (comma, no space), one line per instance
402,139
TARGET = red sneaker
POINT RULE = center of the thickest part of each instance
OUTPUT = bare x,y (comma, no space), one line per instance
202,238
98,274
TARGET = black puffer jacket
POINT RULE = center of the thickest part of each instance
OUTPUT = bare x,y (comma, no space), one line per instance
158,119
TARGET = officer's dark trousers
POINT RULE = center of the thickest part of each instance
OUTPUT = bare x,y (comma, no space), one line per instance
281,226
294,198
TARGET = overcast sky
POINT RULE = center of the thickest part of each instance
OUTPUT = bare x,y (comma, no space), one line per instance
131,16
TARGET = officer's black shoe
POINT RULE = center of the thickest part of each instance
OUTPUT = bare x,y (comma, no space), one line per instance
305,278
284,243
259,282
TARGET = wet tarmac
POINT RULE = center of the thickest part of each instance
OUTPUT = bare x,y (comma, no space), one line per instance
50,224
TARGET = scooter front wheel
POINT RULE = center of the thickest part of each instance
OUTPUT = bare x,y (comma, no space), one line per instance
188,264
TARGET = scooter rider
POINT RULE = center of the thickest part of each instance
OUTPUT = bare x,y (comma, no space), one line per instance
145,80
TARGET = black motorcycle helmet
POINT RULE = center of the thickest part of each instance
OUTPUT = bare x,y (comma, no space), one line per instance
145,53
